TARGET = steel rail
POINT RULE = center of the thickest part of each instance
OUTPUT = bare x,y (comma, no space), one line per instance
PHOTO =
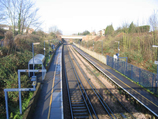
104,104
76,75
79,83
105,86
67,85
89,60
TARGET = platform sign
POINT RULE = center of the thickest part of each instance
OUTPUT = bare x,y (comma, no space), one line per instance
156,62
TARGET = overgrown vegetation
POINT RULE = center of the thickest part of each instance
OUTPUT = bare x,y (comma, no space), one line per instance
14,55
109,30
86,32
134,44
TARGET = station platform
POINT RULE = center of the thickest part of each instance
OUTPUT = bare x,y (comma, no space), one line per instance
56,101
50,102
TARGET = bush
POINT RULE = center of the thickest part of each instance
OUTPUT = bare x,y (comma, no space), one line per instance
109,30
10,63
9,77
142,29
3,51
24,42
9,41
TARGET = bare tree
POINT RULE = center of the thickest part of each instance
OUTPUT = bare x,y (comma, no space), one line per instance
2,15
54,31
153,20
20,14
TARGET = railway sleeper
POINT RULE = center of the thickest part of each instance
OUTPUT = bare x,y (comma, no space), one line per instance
78,105
75,108
80,110
134,102
77,102
81,117
81,113
75,99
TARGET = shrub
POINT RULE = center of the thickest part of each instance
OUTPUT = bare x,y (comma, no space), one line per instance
9,41
142,29
109,30
3,51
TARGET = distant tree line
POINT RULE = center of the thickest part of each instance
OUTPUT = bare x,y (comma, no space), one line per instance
137,29
109,30
86,32
131,29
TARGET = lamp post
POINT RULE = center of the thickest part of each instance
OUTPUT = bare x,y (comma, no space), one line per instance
156,62
33,53
102,47
44,48
118,48
93,45
49,49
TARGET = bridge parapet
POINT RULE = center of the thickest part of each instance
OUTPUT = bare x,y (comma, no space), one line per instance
72,36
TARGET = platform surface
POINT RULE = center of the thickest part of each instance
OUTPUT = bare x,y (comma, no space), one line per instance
50,102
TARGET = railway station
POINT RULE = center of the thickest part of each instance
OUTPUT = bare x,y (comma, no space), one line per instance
80,86
67,94
82,59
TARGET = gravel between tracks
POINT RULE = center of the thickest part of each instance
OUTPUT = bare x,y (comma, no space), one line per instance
113,89
99,109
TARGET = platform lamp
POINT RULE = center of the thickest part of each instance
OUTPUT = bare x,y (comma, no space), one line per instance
118,47
44,48
33,53
93,45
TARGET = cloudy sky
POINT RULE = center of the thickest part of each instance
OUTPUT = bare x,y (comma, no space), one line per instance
73,16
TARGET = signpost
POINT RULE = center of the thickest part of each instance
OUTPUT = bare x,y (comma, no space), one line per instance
118,48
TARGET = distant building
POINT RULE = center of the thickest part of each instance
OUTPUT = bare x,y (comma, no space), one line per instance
93,33
30,30
6,27
101,32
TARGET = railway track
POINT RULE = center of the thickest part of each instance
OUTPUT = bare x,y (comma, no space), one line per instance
139,96
119,111
78,98
85,99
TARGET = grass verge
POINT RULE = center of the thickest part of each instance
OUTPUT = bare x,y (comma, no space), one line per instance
15,114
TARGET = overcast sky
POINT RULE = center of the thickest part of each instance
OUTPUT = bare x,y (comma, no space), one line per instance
73,16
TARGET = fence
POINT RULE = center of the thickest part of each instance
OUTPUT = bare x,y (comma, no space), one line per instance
144,78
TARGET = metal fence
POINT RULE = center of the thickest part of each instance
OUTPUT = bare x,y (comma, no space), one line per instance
144,78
